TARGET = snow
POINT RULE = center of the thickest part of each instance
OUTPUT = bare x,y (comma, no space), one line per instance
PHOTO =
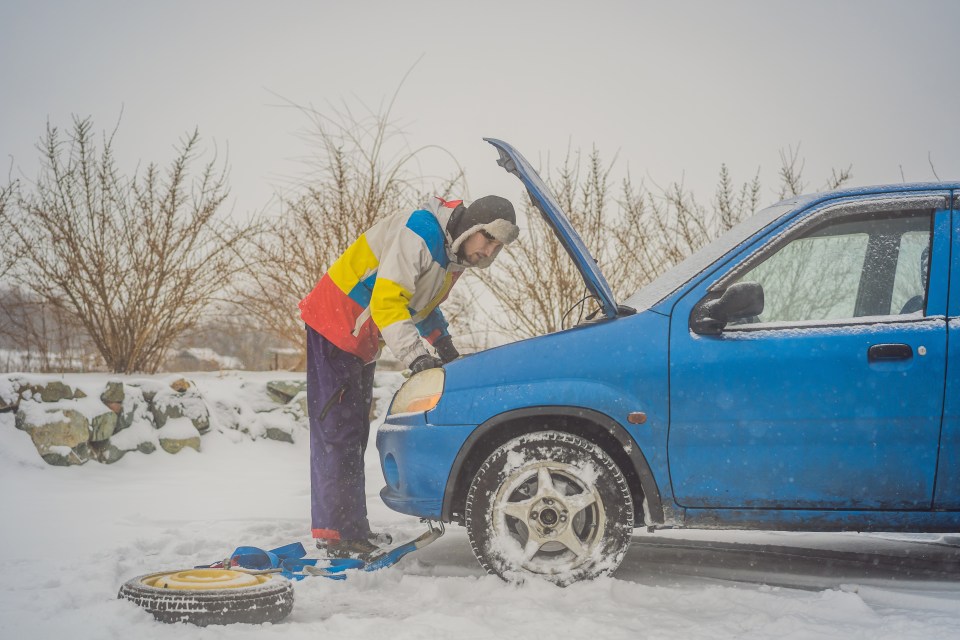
43,414
178,428
864,325
72,535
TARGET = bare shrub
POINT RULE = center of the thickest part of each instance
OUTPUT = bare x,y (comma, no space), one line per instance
134,261
634,238
361,170
534,281
791,175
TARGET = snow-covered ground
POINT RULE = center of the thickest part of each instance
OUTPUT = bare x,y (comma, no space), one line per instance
71,536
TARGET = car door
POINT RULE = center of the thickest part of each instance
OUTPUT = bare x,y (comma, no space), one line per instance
948,469
832,397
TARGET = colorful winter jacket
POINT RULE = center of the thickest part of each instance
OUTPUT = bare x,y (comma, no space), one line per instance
388,283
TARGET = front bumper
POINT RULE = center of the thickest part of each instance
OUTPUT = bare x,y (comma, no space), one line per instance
416,458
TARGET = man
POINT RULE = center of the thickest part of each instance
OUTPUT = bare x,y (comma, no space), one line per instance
386,286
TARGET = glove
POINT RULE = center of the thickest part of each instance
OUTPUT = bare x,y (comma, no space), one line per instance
446,350
423,363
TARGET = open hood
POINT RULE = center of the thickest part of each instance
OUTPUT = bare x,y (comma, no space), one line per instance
513,162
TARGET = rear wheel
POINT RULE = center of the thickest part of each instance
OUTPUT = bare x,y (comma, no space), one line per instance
549,504
211,596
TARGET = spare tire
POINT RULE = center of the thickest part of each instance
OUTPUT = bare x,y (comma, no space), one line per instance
211,596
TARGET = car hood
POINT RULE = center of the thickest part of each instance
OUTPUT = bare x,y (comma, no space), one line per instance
546,203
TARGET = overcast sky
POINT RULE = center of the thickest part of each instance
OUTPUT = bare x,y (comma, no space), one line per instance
674,89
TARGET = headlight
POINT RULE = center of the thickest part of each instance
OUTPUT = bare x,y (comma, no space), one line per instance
420,393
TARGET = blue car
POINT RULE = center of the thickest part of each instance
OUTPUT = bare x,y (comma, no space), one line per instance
798,373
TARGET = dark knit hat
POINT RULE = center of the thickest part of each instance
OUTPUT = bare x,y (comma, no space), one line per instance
492,214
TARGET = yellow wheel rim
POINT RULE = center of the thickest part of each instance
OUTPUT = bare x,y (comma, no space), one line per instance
205,579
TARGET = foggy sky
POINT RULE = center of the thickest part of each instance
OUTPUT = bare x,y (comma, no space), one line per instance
670,91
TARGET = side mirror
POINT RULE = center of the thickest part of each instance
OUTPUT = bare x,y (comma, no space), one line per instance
738,301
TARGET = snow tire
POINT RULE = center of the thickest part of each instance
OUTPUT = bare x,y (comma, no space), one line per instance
552,505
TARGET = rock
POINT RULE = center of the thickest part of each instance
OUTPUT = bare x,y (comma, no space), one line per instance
139,433
114,393
62,438
226,413
10,392
16,391
134,409
276,424
103,426
283,391
105,452
177,434
301,402
79,393
297,408
170,404
65,457
147,388
180,385
281,435
174,445
60,427
116,407
55,391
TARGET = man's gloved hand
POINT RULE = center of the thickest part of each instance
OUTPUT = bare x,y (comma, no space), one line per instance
446,350
423,363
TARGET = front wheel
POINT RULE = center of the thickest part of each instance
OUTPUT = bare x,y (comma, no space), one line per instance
549,504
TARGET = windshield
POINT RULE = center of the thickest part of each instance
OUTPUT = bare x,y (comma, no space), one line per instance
673,278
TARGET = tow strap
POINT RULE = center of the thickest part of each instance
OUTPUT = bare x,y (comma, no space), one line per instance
289,560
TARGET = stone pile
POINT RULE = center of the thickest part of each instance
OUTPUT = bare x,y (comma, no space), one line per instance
70,425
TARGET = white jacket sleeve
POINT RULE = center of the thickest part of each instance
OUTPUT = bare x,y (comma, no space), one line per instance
401,265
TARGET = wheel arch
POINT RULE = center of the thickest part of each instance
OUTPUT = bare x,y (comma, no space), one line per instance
587,423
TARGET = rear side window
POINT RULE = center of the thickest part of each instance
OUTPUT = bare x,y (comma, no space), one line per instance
913,265
850,267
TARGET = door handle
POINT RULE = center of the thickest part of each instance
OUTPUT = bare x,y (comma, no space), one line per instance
883,352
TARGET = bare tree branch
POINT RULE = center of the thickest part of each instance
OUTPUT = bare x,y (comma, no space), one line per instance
932,168
791,182
9,255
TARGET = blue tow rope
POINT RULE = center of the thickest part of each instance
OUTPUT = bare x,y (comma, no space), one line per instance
290,561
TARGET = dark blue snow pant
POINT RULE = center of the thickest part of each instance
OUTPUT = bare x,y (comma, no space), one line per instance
339,394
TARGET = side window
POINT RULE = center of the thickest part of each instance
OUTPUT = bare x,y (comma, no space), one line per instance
813,278
910,284
869,265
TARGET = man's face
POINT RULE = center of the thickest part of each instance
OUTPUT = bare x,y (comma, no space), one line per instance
478,247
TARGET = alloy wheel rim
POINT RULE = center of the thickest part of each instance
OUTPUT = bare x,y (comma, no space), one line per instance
548,517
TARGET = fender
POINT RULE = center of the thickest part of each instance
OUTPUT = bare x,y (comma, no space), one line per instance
648,484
